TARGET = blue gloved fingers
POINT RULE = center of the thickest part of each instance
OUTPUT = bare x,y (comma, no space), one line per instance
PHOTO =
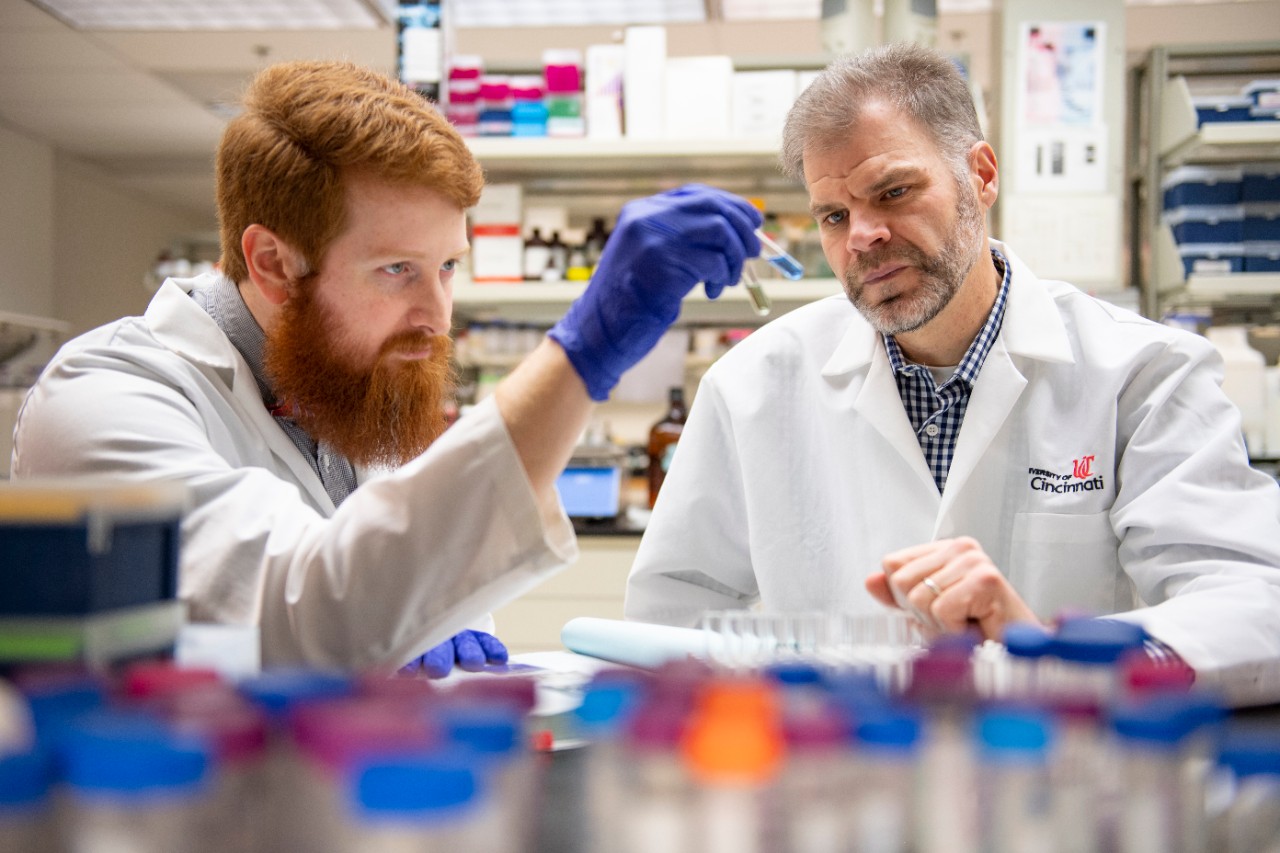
494,650
467,652
438,662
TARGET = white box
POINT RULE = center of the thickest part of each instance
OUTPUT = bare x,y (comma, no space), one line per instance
497,247
760,102
643,82
500,204
606,67
699,93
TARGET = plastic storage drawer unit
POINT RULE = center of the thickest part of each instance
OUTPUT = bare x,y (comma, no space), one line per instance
1262,257
1262,222
1260,182
1214,108
1207,224
1211,258
1200,185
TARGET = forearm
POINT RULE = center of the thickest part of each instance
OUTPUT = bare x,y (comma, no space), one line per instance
545,406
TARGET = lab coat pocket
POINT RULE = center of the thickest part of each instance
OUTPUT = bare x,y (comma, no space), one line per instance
1065,562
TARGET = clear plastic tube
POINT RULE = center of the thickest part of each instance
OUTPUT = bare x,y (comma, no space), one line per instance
779,258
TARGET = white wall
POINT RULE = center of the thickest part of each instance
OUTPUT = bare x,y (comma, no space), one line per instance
107,239
26,225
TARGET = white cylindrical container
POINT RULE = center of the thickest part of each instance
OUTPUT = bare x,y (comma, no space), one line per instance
883,808
131,784
26,821
1016,790
1244,382
420,802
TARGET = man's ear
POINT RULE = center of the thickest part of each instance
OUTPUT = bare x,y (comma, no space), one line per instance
272,263
982,164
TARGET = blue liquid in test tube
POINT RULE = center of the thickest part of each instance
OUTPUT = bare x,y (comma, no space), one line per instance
781,261
778,257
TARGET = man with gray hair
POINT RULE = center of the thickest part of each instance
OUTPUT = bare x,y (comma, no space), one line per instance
954,435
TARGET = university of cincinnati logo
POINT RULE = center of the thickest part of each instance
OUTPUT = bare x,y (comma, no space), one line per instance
1081,478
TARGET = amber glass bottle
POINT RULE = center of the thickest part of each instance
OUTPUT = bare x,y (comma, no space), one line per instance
662,441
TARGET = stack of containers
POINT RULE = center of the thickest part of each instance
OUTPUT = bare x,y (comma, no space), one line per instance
494,117
463,107
1260,194
528,112
1203,207
562,70
1264,99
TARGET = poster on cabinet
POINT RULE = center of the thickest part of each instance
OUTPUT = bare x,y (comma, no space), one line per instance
1061,134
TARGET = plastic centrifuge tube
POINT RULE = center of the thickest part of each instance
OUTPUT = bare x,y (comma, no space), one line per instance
780,260
755,292
778,257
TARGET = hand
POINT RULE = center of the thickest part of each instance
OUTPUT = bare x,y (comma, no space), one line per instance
660,249
471,650
952,585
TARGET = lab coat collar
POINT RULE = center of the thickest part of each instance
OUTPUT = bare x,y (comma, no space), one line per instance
1032,326
179,325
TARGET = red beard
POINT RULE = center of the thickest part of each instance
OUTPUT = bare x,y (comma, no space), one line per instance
379,414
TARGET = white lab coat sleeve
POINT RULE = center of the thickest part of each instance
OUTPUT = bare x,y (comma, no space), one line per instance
408,560
1199,528
677,576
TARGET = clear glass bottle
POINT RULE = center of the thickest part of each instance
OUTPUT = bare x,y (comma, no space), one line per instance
662,441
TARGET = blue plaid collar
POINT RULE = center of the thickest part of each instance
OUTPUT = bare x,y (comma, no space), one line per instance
974,357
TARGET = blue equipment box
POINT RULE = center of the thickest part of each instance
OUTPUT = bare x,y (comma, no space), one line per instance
1200,185
1219,223
1260,182
1263,94
1262,257
1262,222
1212,258
79,547
1214,108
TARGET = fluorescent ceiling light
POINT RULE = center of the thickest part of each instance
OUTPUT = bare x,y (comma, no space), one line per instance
221,14
570,13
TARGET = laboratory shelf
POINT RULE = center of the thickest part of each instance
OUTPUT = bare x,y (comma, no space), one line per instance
538,303
1183,140
1214,287
504,157
1165,134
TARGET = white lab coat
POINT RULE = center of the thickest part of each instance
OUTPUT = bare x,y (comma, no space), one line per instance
798,470
409,559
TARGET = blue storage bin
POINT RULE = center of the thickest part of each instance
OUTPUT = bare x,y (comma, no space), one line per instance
1260,182
1212,258
1262,257
1215,108
1197,185
1262,93
1262,221
1207,223
79,550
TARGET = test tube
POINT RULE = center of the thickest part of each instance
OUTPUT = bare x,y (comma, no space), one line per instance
755,292
780,260
778,257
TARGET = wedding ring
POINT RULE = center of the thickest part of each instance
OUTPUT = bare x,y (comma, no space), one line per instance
933,586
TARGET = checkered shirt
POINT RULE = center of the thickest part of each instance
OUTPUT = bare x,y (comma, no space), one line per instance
936,412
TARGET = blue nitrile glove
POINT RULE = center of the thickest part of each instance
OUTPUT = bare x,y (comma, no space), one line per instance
661,247
471,650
